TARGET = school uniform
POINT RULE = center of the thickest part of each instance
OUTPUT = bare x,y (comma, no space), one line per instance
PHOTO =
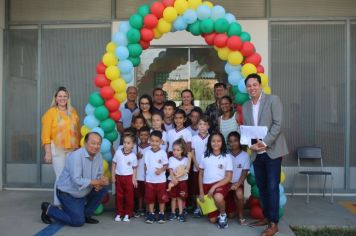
168,126
181,189
163,146
140,174
193,131
175,134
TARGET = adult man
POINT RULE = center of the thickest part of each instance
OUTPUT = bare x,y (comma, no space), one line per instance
80,187
158,100
213,110
128,109
266,110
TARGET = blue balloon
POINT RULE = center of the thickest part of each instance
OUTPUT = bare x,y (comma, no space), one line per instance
127,77
98,130
120,39
281,189
89,109
217,12
252,170
242,86
190,16
122,53
230,68
235,77
282,200
125,66
107,156
124,27
179,24
203,12
105,146
230,18
91,122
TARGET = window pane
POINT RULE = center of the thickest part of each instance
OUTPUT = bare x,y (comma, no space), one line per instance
353,96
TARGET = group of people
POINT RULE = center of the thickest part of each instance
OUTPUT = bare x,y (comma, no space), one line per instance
173,154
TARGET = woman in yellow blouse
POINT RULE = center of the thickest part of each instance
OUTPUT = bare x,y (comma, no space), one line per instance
60,132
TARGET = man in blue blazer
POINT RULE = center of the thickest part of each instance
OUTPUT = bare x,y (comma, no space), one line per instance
266,110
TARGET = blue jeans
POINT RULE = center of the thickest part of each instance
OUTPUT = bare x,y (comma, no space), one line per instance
268,175
74,210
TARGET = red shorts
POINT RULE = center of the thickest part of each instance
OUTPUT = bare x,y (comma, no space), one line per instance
230,202
180,190
156,192
194,184
140,190
222,190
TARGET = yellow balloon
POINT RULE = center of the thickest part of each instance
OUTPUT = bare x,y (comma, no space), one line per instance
107,174
249,151
216,48
157,33
84,130
110,47
264,79
235,58
170,14
118,85
267,90
164,26
121,97
112,72
105,165
181,6
248,69
194,4
223,53
208,3
109,59
283,177
82,142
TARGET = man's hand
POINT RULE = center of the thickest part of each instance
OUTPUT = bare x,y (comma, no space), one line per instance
259,146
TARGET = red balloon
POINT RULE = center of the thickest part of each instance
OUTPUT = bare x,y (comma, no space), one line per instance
247,49
168,3
107,92
220,40
150,21
116,115
147,34
234,43
101,81
252,201
100,68
240,114
106,198
260,69
257,213
112,104
144,44
209,38
254,59
157,9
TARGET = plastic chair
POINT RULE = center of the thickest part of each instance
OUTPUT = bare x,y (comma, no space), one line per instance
312,154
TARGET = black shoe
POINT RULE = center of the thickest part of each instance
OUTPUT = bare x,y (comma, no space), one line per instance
90,220
44,217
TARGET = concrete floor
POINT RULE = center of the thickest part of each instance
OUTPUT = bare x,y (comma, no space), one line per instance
20,215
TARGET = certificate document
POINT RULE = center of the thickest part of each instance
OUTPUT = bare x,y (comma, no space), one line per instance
252,132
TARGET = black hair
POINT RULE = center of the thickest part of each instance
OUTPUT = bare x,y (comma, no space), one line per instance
227,97
139,116
217,85
180,111
150,101
191,93
182,145
170,103
87,136
156,133
234,134
130,135
255,76
204,118
145,129
198,110
158,89
209,149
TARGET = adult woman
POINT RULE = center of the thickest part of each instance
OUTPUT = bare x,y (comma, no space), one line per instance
187,97
60,132
145,105
227,122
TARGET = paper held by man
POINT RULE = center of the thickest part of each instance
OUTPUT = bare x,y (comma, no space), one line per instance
251,133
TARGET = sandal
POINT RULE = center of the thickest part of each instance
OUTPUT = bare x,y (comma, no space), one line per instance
242,221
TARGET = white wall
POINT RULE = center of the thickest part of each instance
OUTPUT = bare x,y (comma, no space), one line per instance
2,26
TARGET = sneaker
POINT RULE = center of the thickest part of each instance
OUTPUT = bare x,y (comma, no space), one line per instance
185,212
172,216
126,218
222,222
197,213
161,219
137,214
117,218
150,218
143,213
181,218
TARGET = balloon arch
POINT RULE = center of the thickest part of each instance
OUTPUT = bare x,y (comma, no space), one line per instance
219,29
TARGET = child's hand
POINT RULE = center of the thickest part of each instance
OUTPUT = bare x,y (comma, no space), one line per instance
139,155
190,155
158,171
235,186
134,181
201,197
113,179
211,192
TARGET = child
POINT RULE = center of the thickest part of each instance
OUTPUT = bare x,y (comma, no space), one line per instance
168,112
199,143
179,166
214,177
144,135
157,124
156,164
194,118
241,166
138,122
179,131
123,170
228,121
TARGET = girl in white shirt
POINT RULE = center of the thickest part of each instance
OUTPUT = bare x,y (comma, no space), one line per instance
158,124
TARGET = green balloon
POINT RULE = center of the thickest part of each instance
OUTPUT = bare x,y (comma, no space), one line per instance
234,29
107,125
280,212
133,36
195,28
101,113
245,37
255,192
251,180
135,49
207,26
111,136
96,100
235,89
221,25
99,210
135,61
136,21
241,98
143,10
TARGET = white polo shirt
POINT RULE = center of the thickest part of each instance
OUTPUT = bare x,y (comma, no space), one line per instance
168,127
193,131
240,162
125,163
154,160
175,134
140,176
215,168
199,144
174,162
